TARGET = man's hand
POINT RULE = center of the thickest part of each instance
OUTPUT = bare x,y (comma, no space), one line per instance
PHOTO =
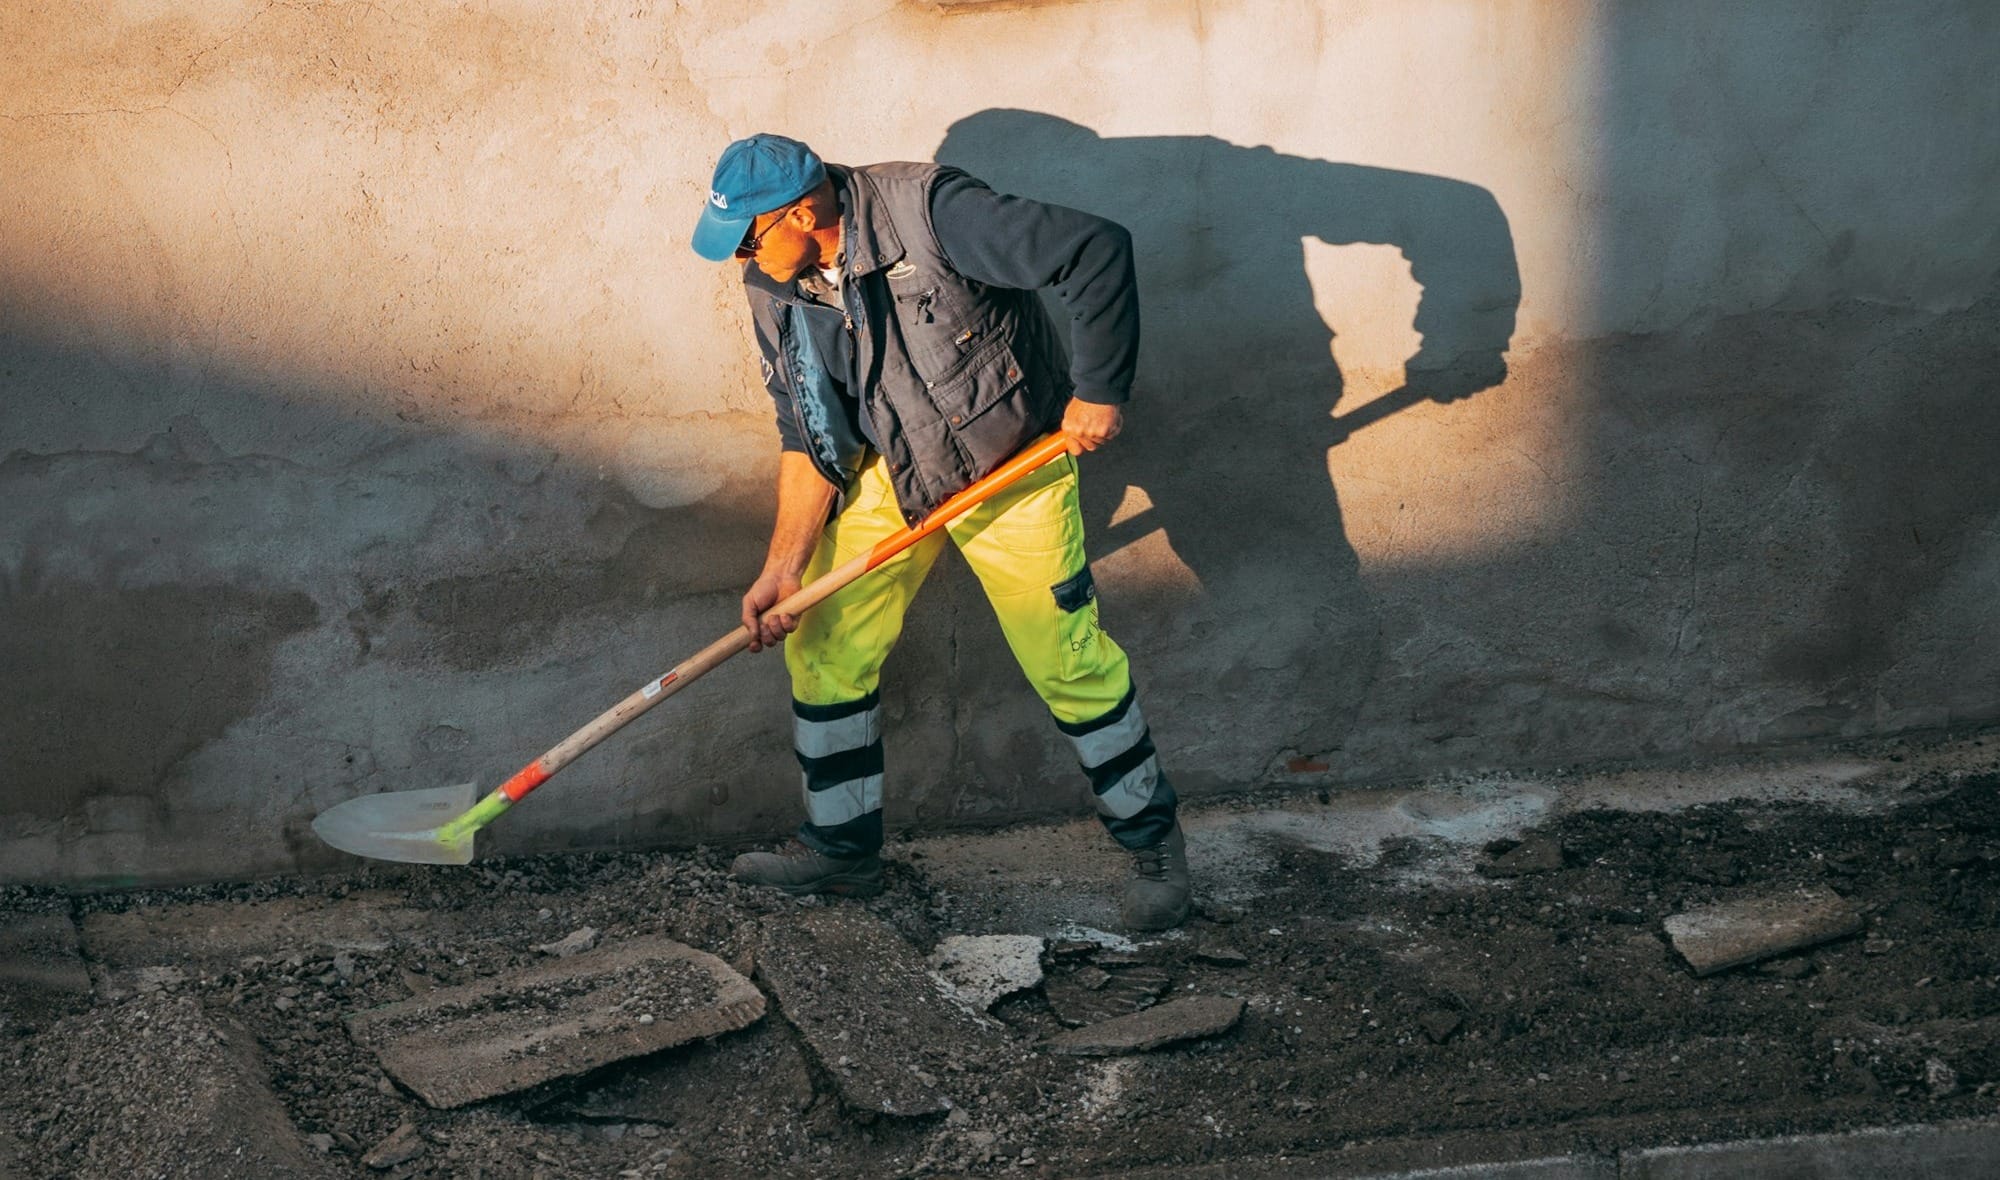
804,499
1089,425
766,592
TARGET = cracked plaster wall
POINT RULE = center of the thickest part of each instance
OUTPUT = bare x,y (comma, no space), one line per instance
366,424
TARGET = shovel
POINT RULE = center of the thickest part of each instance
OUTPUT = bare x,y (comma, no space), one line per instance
435,825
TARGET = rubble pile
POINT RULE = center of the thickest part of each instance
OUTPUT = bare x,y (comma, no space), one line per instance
1723,968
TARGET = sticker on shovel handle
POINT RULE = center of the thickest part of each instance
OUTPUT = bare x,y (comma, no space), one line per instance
653,688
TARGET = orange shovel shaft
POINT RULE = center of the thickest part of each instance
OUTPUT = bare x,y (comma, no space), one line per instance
535,773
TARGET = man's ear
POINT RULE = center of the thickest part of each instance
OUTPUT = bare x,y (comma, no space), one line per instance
819,209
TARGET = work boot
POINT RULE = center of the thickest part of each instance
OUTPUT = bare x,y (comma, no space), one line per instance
1156,898
797,869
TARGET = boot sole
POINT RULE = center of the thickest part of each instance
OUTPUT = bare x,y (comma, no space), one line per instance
1179,918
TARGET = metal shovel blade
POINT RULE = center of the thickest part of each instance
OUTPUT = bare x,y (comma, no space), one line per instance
401,825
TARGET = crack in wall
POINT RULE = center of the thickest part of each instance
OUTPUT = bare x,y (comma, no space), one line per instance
1693,593
187,74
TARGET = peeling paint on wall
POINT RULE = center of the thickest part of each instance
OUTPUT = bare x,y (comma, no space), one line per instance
114,689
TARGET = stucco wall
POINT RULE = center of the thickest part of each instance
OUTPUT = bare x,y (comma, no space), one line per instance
1524,383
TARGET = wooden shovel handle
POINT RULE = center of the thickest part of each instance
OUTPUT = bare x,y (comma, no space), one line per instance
535,773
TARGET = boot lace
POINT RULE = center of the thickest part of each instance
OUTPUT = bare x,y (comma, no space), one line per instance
1152,862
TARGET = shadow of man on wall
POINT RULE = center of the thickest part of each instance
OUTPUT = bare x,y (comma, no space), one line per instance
1230,431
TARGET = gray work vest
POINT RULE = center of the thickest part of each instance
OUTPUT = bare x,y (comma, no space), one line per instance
954,375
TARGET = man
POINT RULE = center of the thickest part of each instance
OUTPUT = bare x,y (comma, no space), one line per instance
894,307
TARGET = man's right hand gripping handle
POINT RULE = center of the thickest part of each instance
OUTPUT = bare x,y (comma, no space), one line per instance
804,499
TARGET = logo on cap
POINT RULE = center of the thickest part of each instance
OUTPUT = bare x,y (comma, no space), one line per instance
717,199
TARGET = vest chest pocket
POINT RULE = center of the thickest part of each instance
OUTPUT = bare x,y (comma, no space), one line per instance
960,345
980,378
941,326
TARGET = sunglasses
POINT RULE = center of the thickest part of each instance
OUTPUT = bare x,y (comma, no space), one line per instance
753,238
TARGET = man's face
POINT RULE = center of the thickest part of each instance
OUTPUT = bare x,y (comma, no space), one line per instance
780,244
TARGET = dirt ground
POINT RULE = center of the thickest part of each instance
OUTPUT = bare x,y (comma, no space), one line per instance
1427,1002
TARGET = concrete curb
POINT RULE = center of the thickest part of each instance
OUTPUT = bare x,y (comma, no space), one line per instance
1567,1167
1946,1151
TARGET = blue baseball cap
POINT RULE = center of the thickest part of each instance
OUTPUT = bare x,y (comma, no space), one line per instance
753,177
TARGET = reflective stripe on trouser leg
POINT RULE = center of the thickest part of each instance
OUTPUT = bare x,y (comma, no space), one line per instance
1026,546
1134,798
835,660
839,749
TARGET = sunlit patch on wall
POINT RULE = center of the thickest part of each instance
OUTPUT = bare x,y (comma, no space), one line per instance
1430,482
1135,550
1366,295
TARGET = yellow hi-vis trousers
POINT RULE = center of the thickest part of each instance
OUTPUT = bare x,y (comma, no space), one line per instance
1026,547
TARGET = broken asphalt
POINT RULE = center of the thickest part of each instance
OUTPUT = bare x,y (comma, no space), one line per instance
1547,972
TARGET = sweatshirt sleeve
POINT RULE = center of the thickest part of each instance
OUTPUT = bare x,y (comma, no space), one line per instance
1009,241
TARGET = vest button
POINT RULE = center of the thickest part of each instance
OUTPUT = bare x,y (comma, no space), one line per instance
957,419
